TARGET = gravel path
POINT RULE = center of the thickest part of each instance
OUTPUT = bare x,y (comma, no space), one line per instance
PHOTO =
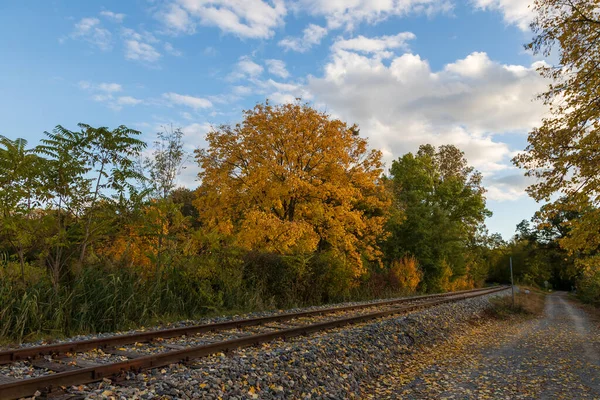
556,356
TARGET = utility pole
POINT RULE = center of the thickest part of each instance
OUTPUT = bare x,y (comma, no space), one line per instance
512,283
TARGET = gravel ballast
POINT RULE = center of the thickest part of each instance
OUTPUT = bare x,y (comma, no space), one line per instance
331,364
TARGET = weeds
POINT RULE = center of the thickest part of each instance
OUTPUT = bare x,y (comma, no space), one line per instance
526,305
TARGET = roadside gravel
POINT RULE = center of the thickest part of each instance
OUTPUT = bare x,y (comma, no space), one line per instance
554,356
332,364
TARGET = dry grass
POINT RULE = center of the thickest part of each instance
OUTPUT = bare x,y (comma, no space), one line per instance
528,305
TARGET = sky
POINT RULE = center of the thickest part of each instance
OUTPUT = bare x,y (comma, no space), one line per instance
408,72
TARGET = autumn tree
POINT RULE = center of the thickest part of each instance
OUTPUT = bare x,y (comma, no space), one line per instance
444,209
291,179
564,151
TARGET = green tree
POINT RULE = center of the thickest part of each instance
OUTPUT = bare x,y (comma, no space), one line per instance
443,204
65,187
86,167
110,158
20,194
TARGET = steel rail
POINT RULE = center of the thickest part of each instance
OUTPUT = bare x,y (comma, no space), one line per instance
27,387
12,355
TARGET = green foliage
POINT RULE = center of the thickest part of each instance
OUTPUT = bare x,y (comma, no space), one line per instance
443,207
537,254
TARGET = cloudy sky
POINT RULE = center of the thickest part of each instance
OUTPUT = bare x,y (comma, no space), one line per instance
407,71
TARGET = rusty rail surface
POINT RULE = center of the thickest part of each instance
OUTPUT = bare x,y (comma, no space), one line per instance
26,387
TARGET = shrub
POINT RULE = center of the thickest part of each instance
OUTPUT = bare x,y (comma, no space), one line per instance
405,274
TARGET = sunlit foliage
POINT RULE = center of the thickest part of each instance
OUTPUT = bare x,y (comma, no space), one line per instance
564,151
291,179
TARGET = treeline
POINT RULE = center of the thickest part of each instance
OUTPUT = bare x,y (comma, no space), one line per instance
293,208
543,255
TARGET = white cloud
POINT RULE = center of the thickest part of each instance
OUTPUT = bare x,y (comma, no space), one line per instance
177,19
349,13
102,97
279,92
139,45
402,103
249,67
140,51
171,50
189,101
210,51
242,90
128,101
508,187
110,87
515,12
91,31
103,87
277,67
475,65
311,36
142,36
255,19
245,68
105,92
377,45
117,17
196,132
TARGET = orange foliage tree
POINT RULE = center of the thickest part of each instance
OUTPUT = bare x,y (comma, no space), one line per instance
152,240
290,179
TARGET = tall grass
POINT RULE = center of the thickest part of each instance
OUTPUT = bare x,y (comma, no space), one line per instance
104,298
99,301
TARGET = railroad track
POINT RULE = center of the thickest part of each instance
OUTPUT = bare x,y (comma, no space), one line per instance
67,364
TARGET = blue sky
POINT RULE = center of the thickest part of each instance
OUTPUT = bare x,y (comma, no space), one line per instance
408,72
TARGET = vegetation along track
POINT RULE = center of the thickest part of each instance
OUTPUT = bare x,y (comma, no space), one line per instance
67,364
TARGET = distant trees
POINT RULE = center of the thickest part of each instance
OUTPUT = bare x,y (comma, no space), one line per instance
167,161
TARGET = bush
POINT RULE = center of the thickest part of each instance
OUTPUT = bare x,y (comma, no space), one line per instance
588,284
405,274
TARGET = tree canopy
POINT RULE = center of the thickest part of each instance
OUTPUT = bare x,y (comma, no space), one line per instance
291,179
563,154
564,151
443,204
